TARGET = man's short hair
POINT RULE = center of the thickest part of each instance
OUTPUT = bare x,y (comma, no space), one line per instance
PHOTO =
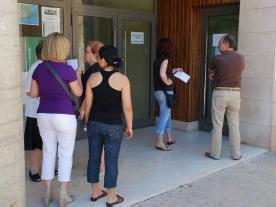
230,39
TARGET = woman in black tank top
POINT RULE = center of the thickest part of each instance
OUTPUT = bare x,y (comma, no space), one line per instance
163,83
107,95
91,57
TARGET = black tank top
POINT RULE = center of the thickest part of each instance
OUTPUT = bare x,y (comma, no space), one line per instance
107,102
159,85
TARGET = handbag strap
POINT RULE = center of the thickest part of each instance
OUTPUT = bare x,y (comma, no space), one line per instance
174,90
59,80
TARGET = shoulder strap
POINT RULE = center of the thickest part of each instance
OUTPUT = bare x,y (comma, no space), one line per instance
59,80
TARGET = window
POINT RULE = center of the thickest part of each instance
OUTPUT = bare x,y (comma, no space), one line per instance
140,5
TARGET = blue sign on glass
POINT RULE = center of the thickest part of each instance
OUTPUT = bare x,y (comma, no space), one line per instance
29,14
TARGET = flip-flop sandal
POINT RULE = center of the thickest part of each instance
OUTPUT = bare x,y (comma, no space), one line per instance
165,148
171,142
120,199
98,197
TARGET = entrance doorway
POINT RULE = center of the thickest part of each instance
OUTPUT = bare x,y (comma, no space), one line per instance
216,23
133,34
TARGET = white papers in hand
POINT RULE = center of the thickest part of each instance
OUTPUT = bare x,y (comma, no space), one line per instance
73,63
182,76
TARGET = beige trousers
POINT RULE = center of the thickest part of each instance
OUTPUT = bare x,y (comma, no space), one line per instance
229,101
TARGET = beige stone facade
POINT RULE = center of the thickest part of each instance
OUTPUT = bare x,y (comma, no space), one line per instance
12,180
257,41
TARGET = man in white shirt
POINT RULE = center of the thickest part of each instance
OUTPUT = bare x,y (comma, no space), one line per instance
32,138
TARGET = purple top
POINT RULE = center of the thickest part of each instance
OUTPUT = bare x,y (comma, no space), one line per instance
53,98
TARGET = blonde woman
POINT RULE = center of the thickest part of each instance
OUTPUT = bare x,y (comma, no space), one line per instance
56,120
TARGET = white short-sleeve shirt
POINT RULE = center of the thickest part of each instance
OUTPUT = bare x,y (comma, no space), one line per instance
31,104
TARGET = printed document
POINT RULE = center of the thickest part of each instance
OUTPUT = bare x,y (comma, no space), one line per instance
73,63
182,76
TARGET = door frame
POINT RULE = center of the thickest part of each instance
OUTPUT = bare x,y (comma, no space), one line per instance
91,11
208,12
133,16
118,16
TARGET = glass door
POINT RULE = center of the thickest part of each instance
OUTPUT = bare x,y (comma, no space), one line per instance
135,38
133,34
92,24
217,22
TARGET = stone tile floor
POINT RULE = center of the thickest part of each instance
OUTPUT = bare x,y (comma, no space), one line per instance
145,172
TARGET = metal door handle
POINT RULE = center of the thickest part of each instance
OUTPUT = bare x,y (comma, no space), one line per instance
205,72
114,38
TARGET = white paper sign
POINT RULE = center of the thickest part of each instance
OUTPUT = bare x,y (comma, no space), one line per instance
182,76
73,63
216,39
50,18
137,38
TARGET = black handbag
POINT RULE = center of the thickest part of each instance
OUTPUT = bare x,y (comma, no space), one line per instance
171,99
62,84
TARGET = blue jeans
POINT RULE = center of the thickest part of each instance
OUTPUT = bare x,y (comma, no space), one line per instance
108,136
164,121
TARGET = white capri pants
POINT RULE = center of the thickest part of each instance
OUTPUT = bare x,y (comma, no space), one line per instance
57,130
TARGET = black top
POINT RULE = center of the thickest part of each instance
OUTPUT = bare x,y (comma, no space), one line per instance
107,102
159,85
92,69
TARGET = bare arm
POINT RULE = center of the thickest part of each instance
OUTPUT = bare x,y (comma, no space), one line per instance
80,69
163,74
211,74
34,92
127,107
212,70
82,109
88,100
76,86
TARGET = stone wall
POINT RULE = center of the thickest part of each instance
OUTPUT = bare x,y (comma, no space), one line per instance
12,178
257,41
